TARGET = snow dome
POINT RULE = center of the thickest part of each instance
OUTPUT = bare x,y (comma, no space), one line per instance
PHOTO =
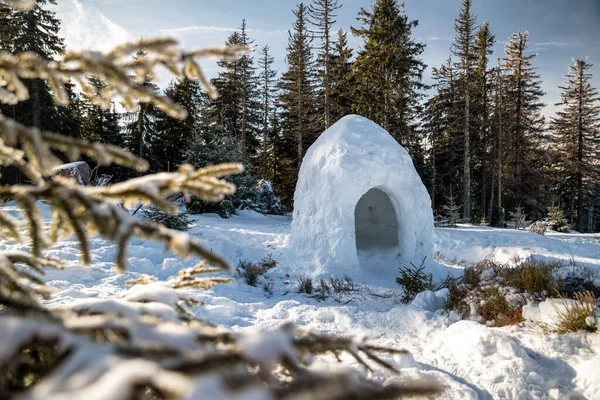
359,203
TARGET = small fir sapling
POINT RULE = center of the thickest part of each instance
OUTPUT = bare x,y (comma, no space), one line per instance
451,211
518,219
556,219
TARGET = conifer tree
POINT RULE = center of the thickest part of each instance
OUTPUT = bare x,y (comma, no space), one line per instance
483,45
464,49
577,134
441,118
498,126
298,101
321,14
99,124
37,31
237,111
70,118
177,134
388,71
524,122
141,125
267,92
340,78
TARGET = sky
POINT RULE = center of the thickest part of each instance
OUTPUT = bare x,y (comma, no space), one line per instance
559,29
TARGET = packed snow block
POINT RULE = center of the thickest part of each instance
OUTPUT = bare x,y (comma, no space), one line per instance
80,170
359,202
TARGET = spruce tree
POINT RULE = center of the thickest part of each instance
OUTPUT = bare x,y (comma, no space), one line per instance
141,125
37,31
99,124
577,139
389,71
442,123
298,102
340,78
483,138
237,111
464,49
70,118
177,134
524,122
322,16
267,94
499,111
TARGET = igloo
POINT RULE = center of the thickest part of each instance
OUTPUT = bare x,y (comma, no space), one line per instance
360,205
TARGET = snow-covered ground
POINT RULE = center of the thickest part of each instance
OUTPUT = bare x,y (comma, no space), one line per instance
472,360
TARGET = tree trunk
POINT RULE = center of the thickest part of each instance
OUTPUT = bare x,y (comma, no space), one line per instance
580,155
467,159
326,66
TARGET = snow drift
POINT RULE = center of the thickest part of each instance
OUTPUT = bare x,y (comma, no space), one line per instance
359,203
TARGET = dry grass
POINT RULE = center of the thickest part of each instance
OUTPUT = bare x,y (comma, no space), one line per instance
533,276
573,317
305,284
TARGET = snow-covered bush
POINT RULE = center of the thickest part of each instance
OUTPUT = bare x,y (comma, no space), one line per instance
484,296
147,344
538,228
212,148
178,221
495,293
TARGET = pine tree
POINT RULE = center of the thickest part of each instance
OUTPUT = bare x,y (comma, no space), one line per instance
267,93
499,111
141,125
388,72
464,49
577,133
483,138
177,134
524,122
321,14
70,118
97,123
340,78
37,31
441,118
237,111
298,102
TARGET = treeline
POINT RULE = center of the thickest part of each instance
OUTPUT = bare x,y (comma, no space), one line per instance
490,144
479,141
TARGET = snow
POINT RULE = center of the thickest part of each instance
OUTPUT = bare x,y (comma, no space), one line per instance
471,360
353,175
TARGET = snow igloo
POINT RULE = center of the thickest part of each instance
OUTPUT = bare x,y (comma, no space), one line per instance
360,207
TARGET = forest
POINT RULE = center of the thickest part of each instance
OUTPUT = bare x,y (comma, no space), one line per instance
477,136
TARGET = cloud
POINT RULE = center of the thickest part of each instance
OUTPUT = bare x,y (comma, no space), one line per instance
541,45
436,39
85,27
211,28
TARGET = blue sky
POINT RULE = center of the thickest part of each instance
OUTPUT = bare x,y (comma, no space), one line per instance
559,29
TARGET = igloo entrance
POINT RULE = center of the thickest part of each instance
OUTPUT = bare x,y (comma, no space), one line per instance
376,222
